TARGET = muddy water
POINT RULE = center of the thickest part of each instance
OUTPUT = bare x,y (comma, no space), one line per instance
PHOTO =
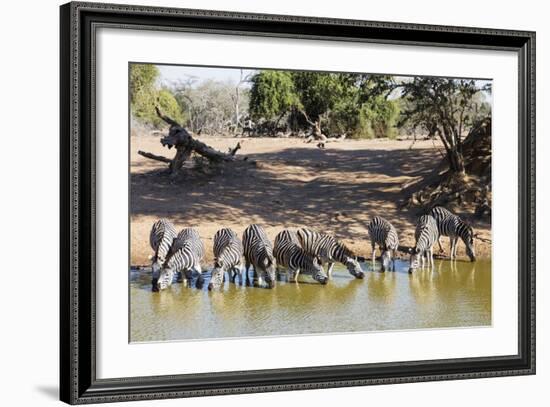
454,294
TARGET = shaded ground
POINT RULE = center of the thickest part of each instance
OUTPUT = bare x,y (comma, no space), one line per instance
335,190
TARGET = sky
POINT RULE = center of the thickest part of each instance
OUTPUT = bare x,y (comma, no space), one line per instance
175,73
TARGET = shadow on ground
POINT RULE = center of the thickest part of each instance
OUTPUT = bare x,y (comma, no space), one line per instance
331,189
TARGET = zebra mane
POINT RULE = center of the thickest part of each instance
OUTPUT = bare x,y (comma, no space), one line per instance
345,250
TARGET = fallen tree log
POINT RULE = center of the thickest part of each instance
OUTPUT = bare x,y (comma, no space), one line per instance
184,143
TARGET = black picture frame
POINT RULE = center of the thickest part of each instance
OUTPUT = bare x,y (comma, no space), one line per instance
78,382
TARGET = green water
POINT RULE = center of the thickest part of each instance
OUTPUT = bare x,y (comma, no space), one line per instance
454,294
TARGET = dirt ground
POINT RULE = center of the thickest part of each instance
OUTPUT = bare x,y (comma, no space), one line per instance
337,190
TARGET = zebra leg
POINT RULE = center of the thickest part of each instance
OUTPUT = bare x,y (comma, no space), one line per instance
431,258
393,260
246,267
296,274
440,246
185,277
200,277
254,276
329,270
454,242
372,245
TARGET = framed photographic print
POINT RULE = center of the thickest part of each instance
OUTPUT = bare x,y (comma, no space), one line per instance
255,203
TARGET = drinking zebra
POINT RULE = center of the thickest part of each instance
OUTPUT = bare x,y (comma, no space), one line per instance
426,234
383,234
290,254
329,250
258,251
228,252
453,226
185,257
161,238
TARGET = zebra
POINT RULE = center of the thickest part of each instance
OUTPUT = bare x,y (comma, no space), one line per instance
329,250
426,234
161,238
290,254
453,226
228,252
383,233
185,257
258,251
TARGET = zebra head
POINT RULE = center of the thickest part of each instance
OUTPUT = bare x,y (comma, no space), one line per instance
386,260
269,270
317,271
468,240
354,267
218,272
156,266
162,278
416,257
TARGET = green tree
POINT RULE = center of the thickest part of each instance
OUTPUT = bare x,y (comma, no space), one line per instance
272,95
445,107
145,95
324,102
168,105
378,117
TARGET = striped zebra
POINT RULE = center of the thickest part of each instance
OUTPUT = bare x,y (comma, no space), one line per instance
258,252
185,257
426,234
228,252
161,238
383,234
453,226
290,254
329,250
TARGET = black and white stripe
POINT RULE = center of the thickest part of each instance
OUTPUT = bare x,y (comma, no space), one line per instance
290,254
185,257
329,250
258,252
228,252
161,238
383,234
453,226
426,234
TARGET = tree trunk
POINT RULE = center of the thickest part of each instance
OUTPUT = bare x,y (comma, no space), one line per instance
182,155
456,160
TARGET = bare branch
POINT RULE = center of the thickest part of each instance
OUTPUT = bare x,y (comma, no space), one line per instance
154,157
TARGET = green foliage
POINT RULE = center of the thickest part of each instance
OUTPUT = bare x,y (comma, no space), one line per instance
144,96
378,117
169,106
444,107
339,101
319,92
272,94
